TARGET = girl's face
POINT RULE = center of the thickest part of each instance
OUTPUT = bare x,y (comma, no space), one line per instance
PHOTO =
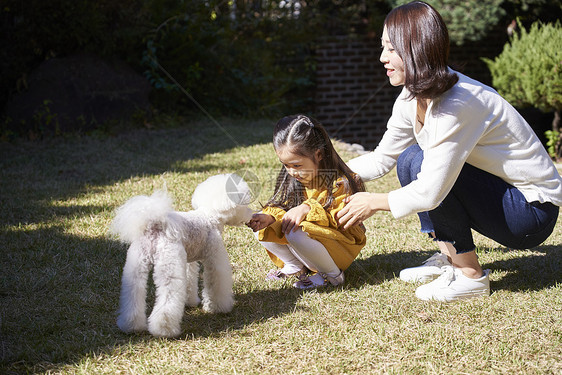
300,167
392,62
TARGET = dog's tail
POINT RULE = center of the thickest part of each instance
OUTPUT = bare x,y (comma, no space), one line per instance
134,217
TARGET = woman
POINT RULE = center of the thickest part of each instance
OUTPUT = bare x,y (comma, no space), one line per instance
465,159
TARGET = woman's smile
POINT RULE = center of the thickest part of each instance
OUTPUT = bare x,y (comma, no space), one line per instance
392,62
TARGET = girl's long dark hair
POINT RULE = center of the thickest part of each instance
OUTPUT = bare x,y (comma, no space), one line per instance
305,136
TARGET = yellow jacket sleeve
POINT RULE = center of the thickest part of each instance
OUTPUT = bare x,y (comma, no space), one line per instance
273,232
325,217
317,213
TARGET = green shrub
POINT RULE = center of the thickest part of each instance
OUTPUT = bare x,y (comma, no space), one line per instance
528,72
245,65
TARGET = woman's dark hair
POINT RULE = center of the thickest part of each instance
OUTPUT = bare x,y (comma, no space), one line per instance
305,136
420,37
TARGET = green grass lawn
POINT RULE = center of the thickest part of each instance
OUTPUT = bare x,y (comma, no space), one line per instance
60,276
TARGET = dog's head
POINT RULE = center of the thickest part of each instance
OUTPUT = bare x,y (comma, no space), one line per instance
226,197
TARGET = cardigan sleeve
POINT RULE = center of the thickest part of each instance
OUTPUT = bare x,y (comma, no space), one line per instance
449,135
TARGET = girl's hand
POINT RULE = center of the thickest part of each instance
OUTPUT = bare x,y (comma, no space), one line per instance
294,217
361,206
260,221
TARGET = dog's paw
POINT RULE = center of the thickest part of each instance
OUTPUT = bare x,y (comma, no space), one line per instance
165,324
163,329
223,306
193,301
132,324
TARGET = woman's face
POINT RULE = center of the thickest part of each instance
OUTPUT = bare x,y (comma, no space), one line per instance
303,169
392,62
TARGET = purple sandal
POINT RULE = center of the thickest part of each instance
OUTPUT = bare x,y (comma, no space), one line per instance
276,274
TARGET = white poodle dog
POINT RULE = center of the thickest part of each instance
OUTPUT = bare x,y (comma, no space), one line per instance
172,243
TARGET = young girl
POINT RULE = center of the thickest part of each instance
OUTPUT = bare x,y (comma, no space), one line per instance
297,225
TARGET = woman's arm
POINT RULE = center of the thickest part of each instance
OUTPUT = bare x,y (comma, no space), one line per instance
361,206
454,126
397,137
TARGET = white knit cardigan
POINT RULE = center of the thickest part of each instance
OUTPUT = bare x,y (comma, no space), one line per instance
470,123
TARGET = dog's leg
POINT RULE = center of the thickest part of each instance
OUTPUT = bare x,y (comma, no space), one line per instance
217,279
132,304
193,284
170,265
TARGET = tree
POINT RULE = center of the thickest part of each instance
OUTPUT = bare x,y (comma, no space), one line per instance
528,72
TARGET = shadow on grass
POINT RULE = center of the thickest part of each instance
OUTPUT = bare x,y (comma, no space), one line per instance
539,268
59,290
374,270
58,305
61,302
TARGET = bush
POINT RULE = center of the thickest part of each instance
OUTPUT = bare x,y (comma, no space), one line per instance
246,66
235,57
528,72
36,30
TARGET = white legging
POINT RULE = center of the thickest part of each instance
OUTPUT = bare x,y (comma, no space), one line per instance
303,251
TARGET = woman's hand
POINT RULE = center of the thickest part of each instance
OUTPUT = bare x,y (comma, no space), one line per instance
294,217
361,206
260,221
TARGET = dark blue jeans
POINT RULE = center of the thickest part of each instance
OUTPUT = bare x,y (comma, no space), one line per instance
483,202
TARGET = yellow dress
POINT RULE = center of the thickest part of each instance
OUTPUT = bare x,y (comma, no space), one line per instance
320,224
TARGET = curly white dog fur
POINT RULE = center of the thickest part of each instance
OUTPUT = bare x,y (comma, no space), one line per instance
172,243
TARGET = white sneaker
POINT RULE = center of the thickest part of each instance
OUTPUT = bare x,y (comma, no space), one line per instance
429,270
452,285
